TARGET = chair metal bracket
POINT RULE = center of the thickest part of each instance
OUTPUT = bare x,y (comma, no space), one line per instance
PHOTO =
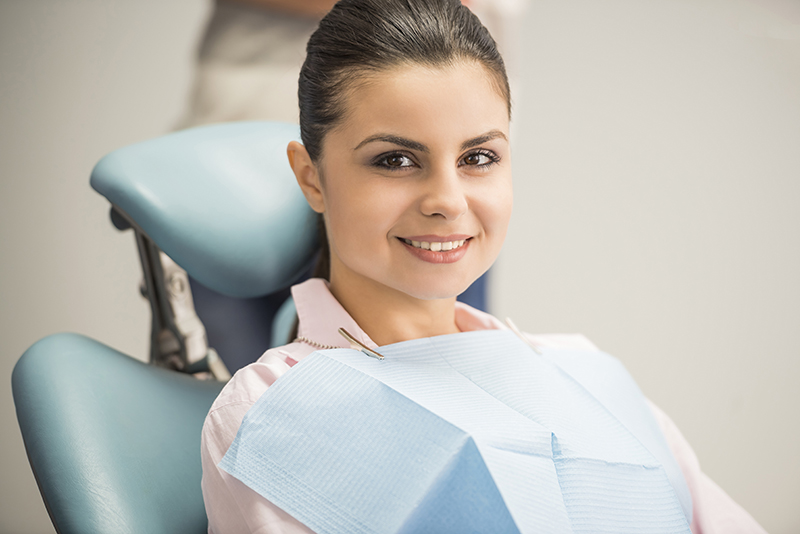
177,336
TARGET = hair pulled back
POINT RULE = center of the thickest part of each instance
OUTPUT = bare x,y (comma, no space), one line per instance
362,37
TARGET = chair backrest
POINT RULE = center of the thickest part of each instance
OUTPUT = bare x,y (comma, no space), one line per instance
220,200
114,443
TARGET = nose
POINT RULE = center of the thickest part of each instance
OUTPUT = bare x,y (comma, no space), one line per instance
444,195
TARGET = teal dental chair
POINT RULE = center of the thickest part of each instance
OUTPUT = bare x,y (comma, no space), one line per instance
114,443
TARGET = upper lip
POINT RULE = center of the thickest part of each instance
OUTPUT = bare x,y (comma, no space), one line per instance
437,238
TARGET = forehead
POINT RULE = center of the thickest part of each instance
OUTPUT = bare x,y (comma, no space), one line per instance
433,105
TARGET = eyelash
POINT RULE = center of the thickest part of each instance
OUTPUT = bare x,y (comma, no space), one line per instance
493,158
381,161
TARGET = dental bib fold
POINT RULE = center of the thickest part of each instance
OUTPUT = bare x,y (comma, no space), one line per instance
471,432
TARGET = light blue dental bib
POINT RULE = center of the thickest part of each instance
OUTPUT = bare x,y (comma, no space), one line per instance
470,432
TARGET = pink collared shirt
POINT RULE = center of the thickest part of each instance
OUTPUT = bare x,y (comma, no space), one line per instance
232,507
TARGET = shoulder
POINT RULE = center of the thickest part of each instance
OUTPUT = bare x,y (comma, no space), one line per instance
251,381
243,390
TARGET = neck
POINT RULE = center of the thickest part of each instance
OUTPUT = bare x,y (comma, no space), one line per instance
391,316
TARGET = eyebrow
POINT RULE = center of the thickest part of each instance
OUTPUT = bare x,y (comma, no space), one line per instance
395,140
414,145
488,136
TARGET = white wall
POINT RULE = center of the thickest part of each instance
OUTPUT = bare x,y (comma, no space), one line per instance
657,176
656,182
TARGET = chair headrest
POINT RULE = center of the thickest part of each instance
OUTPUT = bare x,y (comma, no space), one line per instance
220,200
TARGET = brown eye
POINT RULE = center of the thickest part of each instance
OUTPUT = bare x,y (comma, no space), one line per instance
479,159
394,161
475,159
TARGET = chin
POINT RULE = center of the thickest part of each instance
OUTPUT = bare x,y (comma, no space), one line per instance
436,289
435,295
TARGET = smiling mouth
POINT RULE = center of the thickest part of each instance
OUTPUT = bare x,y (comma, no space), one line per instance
436,246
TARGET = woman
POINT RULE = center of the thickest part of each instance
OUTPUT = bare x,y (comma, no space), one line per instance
404,114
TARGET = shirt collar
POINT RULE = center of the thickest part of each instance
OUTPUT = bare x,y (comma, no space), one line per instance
320,316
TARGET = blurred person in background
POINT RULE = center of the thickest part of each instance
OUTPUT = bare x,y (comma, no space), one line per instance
250,55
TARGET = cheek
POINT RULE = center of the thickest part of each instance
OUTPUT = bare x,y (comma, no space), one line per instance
359,221
493,207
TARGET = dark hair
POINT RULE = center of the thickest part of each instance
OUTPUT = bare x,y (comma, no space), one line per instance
360,37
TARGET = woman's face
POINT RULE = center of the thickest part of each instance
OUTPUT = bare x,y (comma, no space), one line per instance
415,183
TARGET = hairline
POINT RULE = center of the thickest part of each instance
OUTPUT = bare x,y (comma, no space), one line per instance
364,75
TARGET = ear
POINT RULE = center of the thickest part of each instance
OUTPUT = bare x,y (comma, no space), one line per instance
307,175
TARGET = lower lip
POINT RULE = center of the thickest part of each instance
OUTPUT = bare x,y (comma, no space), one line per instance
449,256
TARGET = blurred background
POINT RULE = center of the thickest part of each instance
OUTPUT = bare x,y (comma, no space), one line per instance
657,176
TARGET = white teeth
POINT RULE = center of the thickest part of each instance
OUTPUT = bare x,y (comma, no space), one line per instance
436,246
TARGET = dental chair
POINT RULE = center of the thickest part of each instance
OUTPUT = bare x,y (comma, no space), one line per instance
114,443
